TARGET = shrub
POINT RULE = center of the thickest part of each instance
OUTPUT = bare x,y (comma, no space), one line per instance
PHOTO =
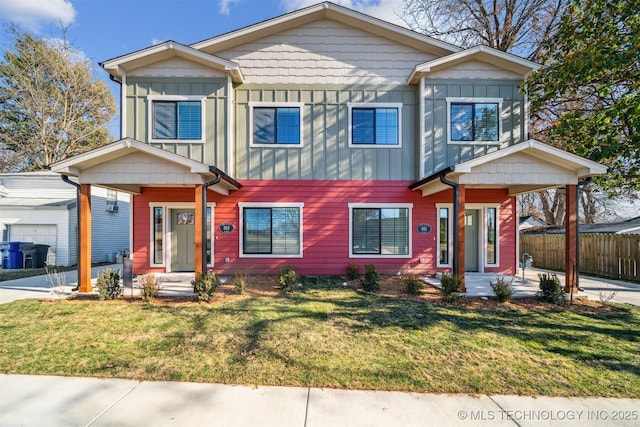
149,286
239,283
451,285
370,279
353,271
550,288
412,284
205,284
108,284
503,289
287,278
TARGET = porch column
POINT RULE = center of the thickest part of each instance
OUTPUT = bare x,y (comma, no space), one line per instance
84,240
459,251
571,238
199,217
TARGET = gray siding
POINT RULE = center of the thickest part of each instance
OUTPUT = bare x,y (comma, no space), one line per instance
325,153
437,153
213,151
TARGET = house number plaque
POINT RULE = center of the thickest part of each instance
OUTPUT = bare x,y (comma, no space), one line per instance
226,227
424,228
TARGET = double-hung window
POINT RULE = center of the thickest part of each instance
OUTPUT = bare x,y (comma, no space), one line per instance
474,120
176,118
276,124
271,229
380,230
375,124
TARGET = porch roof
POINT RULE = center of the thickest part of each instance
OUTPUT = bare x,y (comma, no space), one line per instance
128,165
521,168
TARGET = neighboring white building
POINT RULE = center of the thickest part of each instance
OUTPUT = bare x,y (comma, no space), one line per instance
39,207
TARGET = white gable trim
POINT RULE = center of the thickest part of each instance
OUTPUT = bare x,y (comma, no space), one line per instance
496,57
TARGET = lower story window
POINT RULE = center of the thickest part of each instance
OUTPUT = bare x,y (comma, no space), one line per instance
492,236
444,236
380,230
271,230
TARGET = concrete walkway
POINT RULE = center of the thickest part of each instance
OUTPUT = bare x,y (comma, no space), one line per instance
27,400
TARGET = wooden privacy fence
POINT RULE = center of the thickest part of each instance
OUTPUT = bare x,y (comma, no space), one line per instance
606,255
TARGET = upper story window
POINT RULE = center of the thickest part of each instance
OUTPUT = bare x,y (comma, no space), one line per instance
474,120
375,124
177,118
276,124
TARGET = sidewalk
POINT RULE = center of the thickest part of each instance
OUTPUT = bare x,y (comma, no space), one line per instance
27,400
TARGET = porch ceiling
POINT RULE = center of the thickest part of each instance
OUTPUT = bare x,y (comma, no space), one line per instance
128,165
522,168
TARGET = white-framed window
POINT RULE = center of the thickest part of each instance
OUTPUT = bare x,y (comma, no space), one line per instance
380,230
271,230
491,236
474,120
176,118
275,124
375,125
445,234
160,231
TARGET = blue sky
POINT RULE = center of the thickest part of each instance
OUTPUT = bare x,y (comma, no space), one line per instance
105,29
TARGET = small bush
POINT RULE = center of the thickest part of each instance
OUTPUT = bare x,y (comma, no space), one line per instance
353,271
451,285
205,284
503,289
108,284
370,279
412,284
287,278
239,283
149,286
550,288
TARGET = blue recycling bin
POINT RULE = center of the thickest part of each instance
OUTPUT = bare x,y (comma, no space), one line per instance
4,255
16,257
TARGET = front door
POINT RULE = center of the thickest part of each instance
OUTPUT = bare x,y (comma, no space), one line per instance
471,240
183,239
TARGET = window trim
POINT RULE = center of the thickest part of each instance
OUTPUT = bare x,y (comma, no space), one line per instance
254,104
408,206
374,105
166,231
474,100
243,205
449,236
176,98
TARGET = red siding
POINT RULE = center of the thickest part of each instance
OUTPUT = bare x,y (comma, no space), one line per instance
326,224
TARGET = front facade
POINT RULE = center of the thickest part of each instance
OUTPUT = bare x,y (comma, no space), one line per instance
321,138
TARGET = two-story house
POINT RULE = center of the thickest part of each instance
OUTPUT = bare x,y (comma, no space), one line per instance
320,138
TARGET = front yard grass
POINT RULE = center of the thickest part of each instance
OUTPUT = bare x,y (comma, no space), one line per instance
330,336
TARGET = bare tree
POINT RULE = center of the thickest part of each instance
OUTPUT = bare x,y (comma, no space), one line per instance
517,26
51,108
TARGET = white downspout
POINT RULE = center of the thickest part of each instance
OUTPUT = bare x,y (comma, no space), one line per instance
123,102
421,130
230,128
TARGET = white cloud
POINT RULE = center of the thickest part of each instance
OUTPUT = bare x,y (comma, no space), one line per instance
387,10
225,4
32,13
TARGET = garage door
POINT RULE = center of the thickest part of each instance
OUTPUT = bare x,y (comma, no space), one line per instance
44,234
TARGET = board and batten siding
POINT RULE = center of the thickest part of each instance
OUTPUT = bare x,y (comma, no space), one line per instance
325,153
437,153
325,52
213,150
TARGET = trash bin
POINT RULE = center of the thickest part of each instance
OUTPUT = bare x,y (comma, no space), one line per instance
35,254
16,257
4,255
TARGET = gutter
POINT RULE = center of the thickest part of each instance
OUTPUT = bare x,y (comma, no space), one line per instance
204,217
66,179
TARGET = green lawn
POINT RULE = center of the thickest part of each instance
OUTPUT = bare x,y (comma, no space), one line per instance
330,337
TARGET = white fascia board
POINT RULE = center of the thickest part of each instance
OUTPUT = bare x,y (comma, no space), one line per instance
114,66
496,57
320,11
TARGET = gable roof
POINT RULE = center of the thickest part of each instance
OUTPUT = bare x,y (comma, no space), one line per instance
121,65
331,11
487,54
